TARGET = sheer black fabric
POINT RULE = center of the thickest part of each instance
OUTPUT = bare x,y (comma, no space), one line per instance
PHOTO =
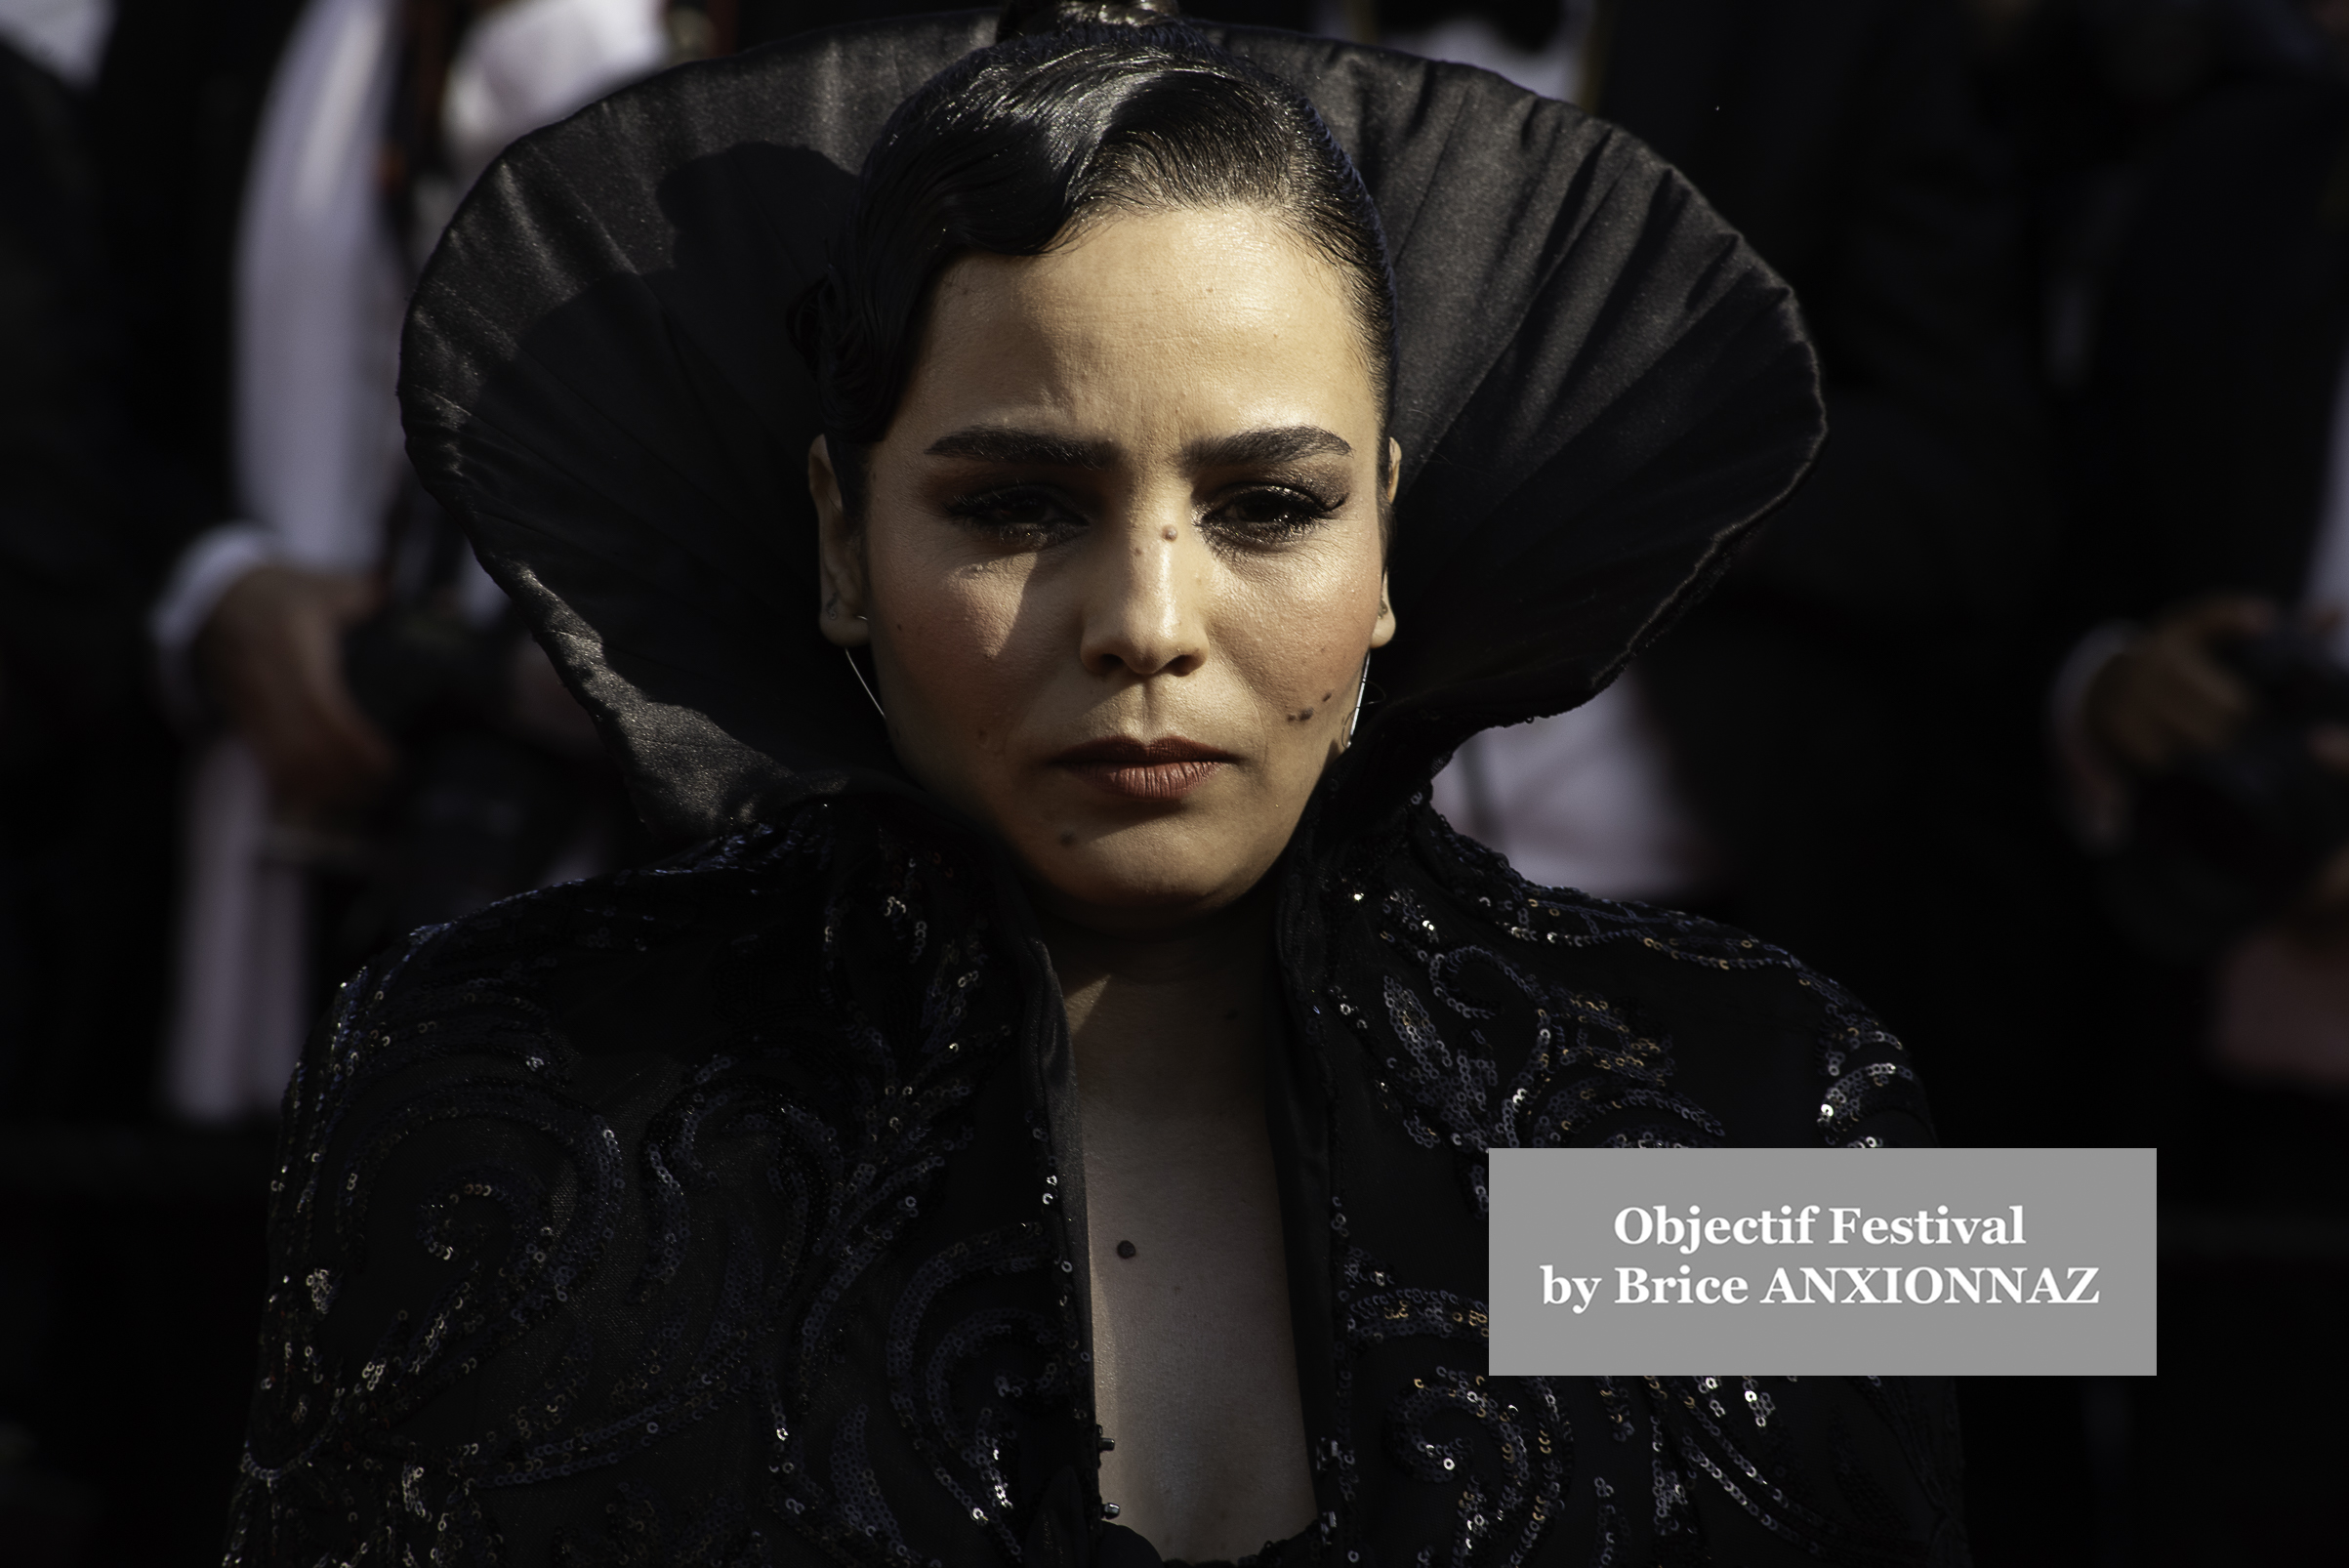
732,1213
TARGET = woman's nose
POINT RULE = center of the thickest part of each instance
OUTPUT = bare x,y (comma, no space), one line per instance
1145,595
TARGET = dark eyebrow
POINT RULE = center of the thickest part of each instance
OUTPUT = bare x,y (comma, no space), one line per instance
1025,448
1284,443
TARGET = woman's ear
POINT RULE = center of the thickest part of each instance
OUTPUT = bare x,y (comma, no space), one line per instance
1383,632
839,555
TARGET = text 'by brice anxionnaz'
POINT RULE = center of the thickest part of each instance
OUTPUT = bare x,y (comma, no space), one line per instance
1912,1281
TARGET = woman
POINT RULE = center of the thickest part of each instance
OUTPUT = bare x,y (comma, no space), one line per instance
1059,1095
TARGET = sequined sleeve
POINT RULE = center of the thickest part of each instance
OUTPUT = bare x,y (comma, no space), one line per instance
403,1075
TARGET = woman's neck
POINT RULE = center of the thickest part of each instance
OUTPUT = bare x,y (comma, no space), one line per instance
1193,1359
1170,1025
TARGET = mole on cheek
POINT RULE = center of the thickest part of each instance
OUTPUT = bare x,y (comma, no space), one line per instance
1068,836
1167,532
1300,717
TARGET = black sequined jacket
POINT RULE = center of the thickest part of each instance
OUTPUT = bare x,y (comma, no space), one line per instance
726,1213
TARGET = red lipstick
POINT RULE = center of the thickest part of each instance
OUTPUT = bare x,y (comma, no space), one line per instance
1164,770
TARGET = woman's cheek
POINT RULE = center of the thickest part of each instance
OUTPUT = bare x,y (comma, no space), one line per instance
957,641
1306,645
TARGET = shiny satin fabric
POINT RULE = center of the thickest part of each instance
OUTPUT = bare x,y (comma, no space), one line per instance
1599,389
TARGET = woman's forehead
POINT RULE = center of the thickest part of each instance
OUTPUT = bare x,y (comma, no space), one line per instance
1190,315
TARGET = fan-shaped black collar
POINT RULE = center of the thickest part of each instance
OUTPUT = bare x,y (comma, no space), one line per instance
1599,389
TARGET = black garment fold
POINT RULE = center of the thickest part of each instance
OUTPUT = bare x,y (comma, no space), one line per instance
599,385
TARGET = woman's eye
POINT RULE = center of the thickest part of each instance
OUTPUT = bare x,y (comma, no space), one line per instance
1270,516
1024,518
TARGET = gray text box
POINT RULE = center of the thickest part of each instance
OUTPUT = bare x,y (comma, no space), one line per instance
1911,1261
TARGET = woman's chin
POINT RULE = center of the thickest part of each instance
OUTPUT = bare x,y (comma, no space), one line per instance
1140,877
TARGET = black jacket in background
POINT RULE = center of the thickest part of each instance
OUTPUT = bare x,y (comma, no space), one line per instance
2207,425
1842,138
1844,710
89,514
70,514
177,108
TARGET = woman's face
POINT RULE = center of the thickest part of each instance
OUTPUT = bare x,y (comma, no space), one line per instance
1121,561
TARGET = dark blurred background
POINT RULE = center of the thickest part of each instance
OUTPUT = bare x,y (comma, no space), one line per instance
2028,718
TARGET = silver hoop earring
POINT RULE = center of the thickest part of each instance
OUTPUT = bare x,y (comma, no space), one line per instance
851,655
1361,692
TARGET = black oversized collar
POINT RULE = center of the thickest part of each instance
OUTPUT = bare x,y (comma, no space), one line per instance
1599,389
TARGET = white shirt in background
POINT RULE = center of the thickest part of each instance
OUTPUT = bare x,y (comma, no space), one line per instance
1585,800
1556,71
65,36
321,291
2328,564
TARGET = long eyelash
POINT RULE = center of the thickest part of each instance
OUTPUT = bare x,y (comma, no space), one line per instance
1301,512
981,512
979,502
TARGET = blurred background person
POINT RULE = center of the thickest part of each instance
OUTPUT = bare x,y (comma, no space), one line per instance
2197,693
390,748
87,518
2089,92
2194,710
213,217
92,1220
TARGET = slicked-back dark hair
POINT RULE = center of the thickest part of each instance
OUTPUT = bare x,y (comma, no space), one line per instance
1014,147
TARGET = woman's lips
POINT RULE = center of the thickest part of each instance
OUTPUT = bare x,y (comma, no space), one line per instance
1166,769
